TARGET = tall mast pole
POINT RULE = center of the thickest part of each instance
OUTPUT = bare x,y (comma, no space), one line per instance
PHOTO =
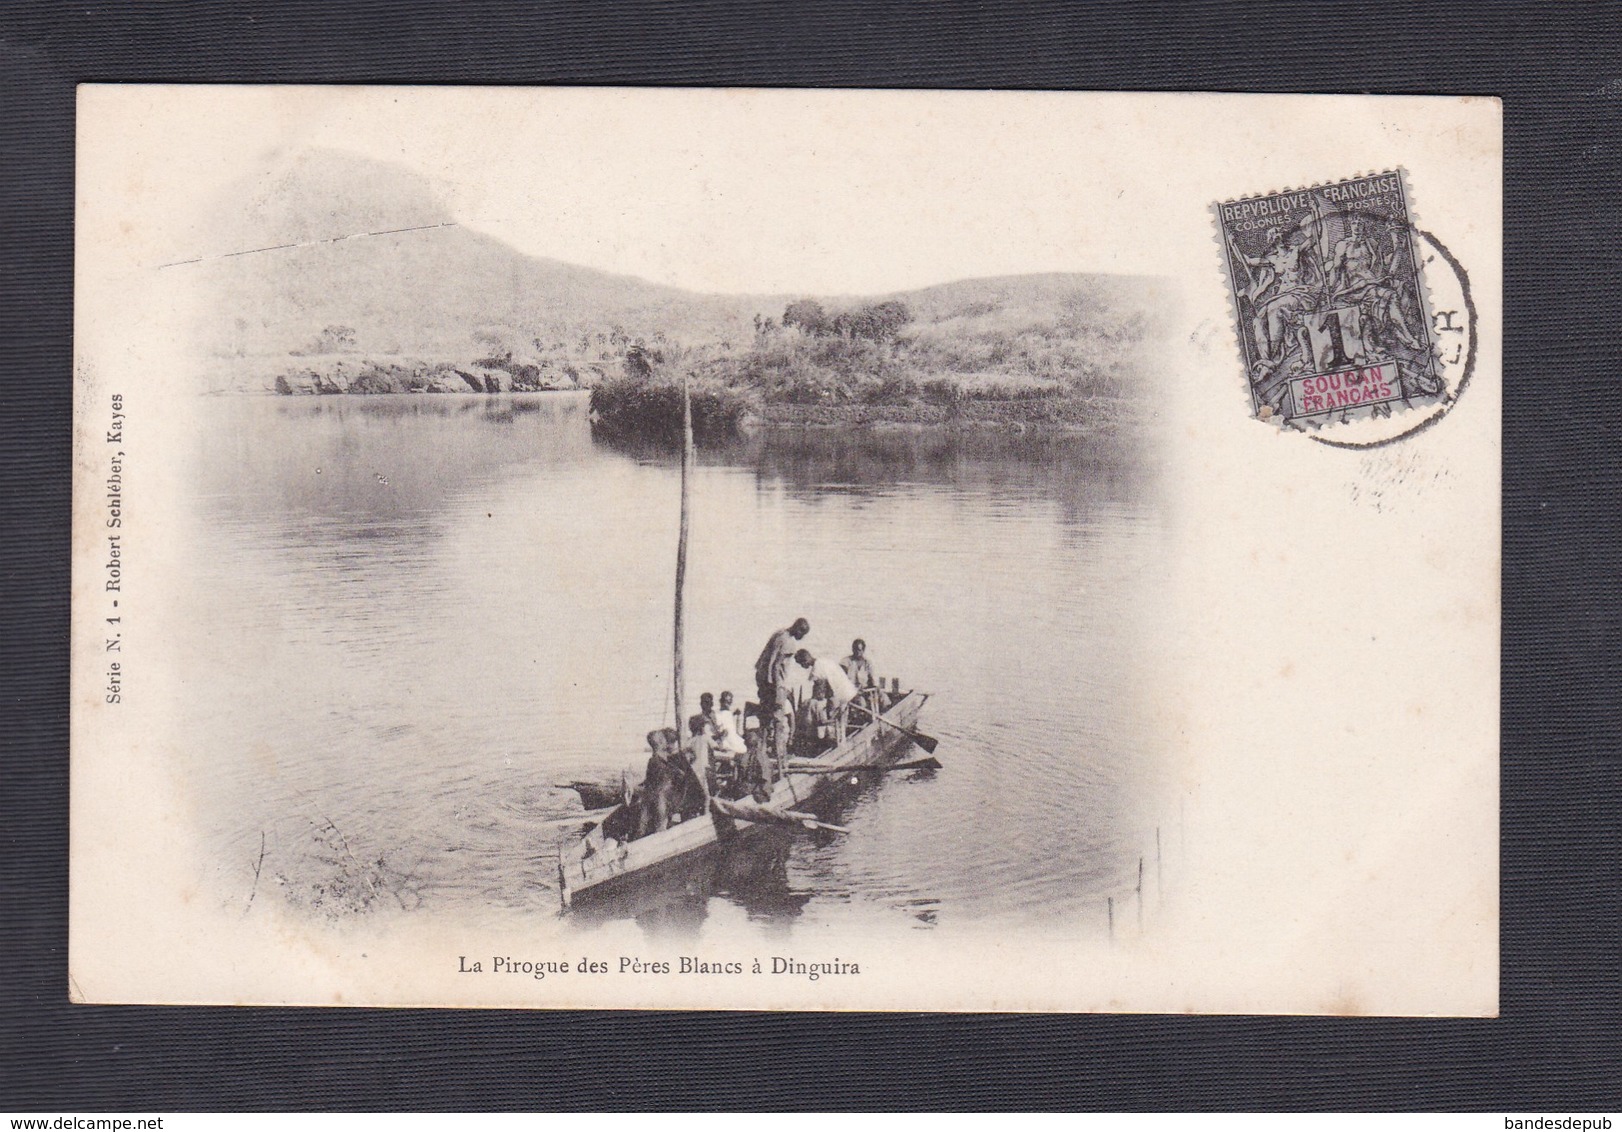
681,545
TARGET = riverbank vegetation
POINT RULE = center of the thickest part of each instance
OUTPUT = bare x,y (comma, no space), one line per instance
1073,361
1042,352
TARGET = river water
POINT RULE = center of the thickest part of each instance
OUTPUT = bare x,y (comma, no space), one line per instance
413,616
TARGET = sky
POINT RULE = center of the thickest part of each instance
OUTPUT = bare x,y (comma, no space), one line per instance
751,191
723,191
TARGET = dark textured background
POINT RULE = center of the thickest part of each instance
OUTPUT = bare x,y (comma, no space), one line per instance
1556,1047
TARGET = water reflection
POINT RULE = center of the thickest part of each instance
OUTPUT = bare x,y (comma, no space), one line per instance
404,457
1077,471
417,614
674,903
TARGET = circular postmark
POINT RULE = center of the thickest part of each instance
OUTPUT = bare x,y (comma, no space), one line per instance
1455,335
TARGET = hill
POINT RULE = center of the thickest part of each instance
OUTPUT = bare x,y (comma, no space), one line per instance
367,246
334,273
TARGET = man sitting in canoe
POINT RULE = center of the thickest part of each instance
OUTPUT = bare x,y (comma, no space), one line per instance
706,712
724,724
857,666
670,786
726,748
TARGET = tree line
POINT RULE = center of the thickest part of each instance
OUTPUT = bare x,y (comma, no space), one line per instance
876,322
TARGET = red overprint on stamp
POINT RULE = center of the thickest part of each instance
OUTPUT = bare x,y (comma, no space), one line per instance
1325,392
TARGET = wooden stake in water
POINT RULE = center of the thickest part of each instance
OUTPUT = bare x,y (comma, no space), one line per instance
1140,893
681,547
1110,904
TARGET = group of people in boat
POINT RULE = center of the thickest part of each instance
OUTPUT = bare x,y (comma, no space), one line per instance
803,705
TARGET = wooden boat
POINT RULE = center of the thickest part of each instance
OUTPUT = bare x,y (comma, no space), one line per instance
598,862
870,734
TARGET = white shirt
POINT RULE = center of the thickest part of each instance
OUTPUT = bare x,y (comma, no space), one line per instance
728,739
838,683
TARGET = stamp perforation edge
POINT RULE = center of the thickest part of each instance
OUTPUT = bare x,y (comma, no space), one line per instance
1372,299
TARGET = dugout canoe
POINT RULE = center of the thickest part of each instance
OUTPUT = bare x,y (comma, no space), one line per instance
595,864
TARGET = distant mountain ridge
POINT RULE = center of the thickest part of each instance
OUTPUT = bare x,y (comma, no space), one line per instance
370,247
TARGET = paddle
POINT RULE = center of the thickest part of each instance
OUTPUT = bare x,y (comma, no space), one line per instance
926,741
757,813
583,817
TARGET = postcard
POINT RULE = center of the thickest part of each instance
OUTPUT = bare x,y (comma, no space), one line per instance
786,549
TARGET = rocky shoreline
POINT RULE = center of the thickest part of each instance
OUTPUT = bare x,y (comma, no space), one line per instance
362,376
650,411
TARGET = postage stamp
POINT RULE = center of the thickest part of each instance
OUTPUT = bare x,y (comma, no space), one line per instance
1329,302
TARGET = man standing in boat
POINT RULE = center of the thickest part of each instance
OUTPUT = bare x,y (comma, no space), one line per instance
773,663
771,670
